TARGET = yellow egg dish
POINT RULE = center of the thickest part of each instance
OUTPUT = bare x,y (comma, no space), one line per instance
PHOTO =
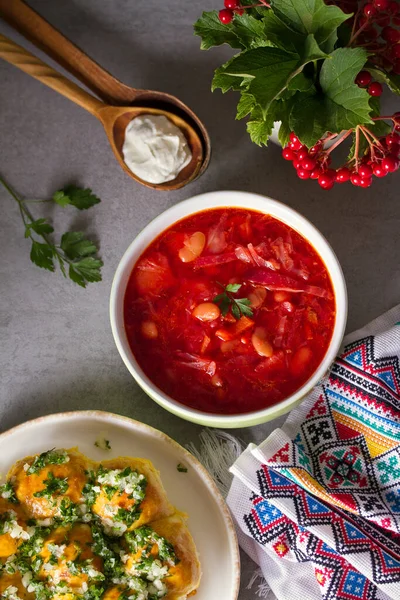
74,529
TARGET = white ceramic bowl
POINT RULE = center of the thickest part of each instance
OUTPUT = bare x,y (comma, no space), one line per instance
192,206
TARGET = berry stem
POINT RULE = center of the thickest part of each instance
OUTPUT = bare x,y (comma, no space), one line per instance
357,147
384,118
368,134
357,33
338,141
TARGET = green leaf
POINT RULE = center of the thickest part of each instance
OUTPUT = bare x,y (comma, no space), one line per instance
225,82
61,199
249,30
42,256
76,276
215,33
233,287
301,83
394,83
40,226
74,244
280,34
310,16
246,104
348,104
283,110
390,79
309,118
270,70
235,310
311,50
244,307
342,104
260,131
86,269
78,197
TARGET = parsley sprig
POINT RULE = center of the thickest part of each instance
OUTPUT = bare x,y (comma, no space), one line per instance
75,252
238,306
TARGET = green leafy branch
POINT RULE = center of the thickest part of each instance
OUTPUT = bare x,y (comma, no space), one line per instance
75,253
295,65
238,306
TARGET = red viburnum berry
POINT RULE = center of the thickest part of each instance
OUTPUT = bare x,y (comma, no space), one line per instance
327,179
302,153
303,173
225,16
365,183
294,139
390,34
308,163
315,173
395,150
396,66
393,7
315,149
378,170
381,4
369,10
382,20
365,171
342,175
392,139
297,164
355,178
395,52
363,78
375,89
231,4
288,154
294,143
390,164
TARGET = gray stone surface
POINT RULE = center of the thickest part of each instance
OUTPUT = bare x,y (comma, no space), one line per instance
57,351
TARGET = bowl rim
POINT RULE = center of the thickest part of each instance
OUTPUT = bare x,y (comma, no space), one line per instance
193,205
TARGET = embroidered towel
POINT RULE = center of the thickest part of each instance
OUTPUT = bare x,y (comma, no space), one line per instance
317,504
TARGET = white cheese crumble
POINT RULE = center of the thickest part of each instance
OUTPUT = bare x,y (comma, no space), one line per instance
11,527
56,550
26,579
44,522
114,528
127,484
11,593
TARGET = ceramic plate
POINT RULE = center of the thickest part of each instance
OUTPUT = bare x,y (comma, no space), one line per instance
193,492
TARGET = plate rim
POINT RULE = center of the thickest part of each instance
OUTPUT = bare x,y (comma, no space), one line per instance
103,415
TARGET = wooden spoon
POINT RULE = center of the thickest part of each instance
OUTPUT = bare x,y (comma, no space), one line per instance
114,118
112,91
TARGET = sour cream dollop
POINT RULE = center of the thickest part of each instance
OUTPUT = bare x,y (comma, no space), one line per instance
155,149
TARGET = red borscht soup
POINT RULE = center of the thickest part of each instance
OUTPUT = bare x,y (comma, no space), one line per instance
229,311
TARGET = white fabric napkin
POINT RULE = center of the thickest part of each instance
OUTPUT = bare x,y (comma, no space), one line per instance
317,504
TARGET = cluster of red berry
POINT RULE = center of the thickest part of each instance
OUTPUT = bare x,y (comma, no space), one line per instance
381,159
375,26
231,7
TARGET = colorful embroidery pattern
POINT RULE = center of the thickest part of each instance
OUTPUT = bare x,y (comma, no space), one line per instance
331,496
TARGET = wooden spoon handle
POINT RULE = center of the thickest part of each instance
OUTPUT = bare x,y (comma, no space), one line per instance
30,64
46,37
